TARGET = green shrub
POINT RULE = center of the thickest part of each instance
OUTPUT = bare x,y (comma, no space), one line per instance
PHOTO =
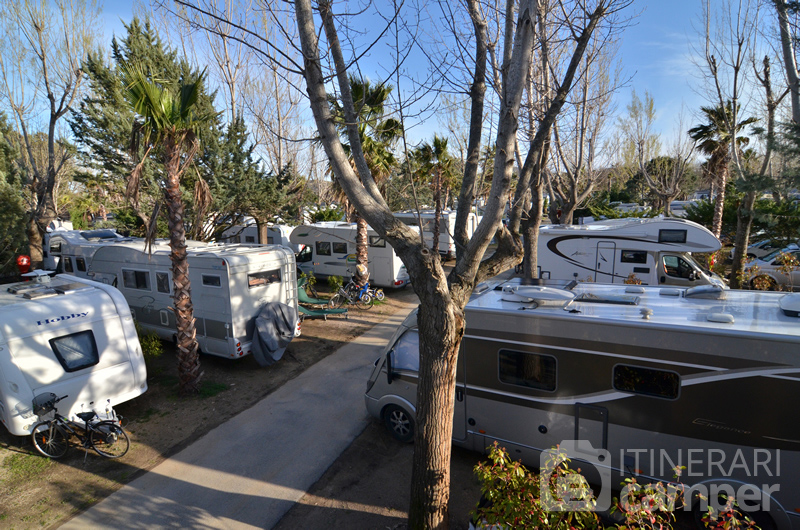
335,282
152,347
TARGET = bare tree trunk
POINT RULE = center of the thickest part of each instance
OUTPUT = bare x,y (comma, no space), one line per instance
789,60
263,232
362,247
188,357
719,204
437,214
744,221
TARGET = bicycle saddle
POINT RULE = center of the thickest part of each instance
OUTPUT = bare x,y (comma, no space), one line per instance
86,416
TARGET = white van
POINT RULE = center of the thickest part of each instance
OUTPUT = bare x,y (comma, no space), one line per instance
447,227
330,250
69,336
654,251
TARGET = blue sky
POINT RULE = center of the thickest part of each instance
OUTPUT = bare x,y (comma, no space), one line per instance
655,52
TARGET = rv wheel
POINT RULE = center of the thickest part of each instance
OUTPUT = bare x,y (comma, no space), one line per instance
399,423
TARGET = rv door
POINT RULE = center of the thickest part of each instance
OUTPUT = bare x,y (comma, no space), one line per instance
604,271
674,269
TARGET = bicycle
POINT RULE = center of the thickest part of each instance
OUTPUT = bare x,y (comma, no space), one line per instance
352,294
51,437
354,290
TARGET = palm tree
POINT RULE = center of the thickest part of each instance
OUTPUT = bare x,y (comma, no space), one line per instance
435,162
167,122
377,134
715,139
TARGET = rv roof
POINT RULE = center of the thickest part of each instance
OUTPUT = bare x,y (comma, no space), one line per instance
614,224
15,293
745,312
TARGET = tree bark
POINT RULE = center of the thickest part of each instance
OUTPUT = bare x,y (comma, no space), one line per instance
188,356
789,60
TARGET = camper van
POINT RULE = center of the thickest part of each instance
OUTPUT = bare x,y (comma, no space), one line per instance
69,336
230,285
653,251
248,233
330,250
447,227
628,379
70,251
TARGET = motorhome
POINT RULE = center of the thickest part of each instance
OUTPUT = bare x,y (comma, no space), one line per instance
247,232
447,227
654,251
69,336
70,251
231,283
628,379
330,250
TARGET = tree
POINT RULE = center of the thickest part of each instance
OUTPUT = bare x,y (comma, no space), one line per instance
42,47
12,215
436,166
169,124
716,140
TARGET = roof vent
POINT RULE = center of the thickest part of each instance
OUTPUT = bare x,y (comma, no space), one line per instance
790,305
710,292
634,289
670,292
721,318
535,293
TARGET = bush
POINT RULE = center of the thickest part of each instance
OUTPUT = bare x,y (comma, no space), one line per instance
152,347
335,282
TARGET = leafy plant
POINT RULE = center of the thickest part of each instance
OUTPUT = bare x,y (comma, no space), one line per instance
152,347
335,282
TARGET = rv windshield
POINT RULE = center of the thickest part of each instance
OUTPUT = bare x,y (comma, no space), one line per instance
405,354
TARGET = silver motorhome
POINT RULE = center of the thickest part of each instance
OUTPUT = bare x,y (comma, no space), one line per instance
71,251
639,376
653,251
231,283
69,336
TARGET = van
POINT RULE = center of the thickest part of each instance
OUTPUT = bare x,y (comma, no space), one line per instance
247,232
655,251
447,227
631,378
69,336
70,251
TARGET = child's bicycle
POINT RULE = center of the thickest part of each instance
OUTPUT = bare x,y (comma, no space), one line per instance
51,437
352,294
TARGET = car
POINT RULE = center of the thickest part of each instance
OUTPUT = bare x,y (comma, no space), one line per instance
770,274
762,248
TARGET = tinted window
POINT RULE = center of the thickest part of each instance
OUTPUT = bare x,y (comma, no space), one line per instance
377,241
55,247
527,369
634,256
405,354
67,264
647,381
677,267
672,236
162,282
211,281
136,279
340,248
76,351
249,239
263,278
81,264
323,248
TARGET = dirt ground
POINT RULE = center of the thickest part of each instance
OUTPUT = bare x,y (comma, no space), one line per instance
36,492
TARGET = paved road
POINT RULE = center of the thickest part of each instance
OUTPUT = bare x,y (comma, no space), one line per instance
248,472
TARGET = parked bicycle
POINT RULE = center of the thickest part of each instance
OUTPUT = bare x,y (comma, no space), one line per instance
352,294
51,437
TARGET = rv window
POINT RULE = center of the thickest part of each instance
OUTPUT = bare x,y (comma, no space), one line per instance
263,278
634,256
55,247
136,279
527,369
162,282
405,354
377,241
68,264
672,236
81,264
77,351
212,281
323,248
249,239
647,381
677,267
304,255
340,248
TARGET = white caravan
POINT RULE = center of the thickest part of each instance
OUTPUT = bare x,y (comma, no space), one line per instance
447,227
655,251
248,233
70,251
630,380
68,336
230,285
330,250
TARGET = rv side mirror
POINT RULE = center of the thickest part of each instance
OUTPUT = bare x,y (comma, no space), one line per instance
389,374
692,276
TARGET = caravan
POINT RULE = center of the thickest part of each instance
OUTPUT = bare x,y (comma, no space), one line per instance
447,227
70,251
230,285
330,251
652,251
68,336
631,378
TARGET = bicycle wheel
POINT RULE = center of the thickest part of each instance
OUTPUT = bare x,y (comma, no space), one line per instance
365,301
109,439
336,301
50,439
379,296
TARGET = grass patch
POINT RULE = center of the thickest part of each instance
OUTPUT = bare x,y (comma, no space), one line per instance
147,415
210,388
22,466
